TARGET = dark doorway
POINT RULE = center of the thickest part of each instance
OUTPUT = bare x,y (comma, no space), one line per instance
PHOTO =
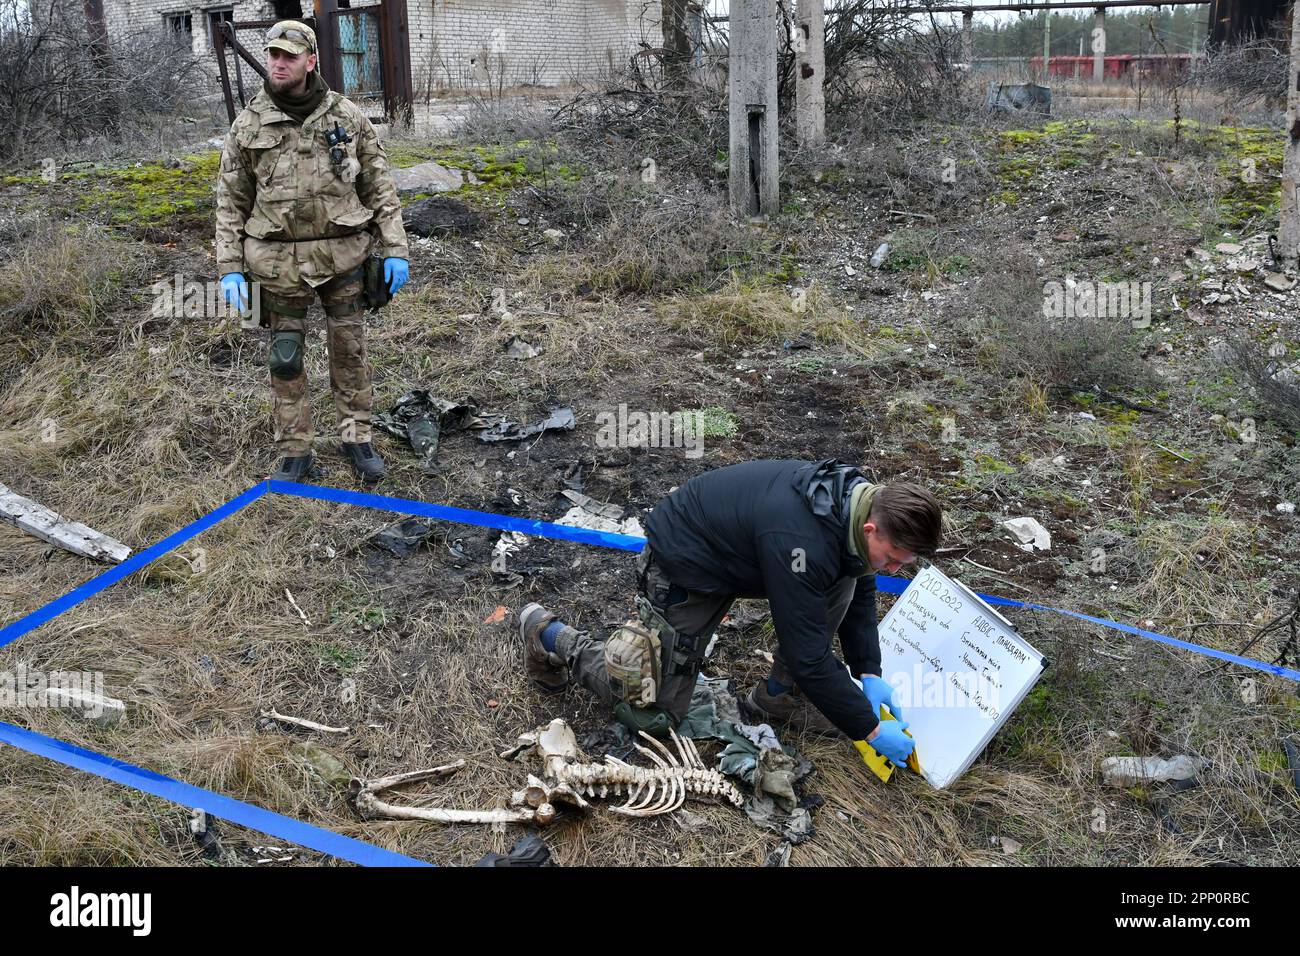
287,9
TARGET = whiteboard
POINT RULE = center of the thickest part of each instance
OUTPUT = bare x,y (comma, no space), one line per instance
958,669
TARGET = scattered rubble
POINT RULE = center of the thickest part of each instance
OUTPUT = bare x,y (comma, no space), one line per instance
1033,536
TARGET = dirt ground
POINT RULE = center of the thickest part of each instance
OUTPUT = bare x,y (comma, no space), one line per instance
1144,448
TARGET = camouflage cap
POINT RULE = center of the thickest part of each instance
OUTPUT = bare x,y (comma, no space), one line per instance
293,36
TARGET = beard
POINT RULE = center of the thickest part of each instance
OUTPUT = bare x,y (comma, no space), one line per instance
289,84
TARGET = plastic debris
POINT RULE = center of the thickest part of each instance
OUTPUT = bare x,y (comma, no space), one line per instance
560,419
421,419
1131,771
527,851
402,537
589,513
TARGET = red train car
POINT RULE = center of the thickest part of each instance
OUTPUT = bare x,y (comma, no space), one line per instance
1115,67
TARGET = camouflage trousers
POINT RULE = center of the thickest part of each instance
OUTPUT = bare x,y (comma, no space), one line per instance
687,612
349,377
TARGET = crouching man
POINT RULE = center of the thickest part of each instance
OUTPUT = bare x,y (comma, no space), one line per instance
808,537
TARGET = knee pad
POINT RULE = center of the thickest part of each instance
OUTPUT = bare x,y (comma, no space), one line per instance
286,355
634,664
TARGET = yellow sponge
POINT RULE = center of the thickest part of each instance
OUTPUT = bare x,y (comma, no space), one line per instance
878,763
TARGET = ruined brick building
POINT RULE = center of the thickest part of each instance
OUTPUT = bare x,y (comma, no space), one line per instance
453,43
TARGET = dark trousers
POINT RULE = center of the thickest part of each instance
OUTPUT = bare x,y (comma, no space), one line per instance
690,613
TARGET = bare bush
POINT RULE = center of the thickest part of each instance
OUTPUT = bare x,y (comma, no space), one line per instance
61,85
647,240
1017,337
1246,71
886,69
1275,383
620,125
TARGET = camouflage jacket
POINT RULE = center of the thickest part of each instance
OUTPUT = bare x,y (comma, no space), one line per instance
277,182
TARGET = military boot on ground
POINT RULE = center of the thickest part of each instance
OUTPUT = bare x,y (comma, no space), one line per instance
544,668
294,468
365,461
790,710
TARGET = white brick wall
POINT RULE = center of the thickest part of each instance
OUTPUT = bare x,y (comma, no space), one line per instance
467,43
455,43
121,16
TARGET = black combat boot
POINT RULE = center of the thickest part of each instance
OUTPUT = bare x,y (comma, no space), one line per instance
294,468
365,461
544,668
790,709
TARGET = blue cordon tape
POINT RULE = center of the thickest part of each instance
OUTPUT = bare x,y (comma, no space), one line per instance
327,841
898,585
255,818
92,587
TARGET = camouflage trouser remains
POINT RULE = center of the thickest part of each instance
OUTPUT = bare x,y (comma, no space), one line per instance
688,612
349,376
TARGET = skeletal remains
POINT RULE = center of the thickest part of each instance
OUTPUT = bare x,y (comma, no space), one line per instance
568,776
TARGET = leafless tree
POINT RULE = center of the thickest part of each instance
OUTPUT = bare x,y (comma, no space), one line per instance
54,92
881,63
1247,70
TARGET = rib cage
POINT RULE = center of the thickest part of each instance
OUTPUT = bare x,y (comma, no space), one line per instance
568,776
674,778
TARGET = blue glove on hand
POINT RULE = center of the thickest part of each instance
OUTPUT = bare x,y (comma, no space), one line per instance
396,272
891,742
879,691
235,289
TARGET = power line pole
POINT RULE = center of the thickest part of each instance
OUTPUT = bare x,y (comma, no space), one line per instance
1289,226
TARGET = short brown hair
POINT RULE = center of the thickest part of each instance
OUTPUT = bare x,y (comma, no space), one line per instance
909,516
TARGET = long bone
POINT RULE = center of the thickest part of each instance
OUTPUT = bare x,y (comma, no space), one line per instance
567,775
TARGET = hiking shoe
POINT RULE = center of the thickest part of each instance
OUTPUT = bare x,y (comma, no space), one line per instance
544,668
365,461
294,468
789,710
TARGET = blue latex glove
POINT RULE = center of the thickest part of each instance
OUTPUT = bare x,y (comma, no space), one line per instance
235,290
396,272
891,742
880,691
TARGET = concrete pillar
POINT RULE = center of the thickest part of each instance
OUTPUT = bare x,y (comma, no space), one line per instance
967,43
1047,47
695,29
751,86
1099,44
1289,226
810,69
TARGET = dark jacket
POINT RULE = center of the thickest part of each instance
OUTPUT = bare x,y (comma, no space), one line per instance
779,529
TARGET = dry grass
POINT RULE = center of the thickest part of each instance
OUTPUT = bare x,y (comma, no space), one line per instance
1006,313
752,312
54,280
155,424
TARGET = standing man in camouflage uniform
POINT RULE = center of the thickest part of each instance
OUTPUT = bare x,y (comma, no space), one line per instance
303,199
